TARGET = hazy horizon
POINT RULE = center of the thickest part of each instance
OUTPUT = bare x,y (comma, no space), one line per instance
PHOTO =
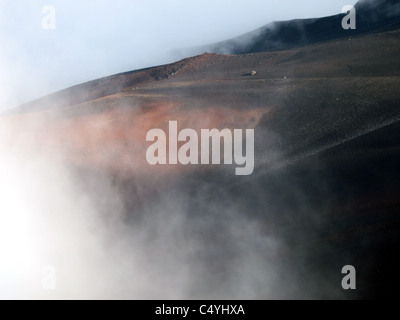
96,39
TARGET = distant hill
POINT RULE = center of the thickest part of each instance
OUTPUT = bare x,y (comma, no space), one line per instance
372,16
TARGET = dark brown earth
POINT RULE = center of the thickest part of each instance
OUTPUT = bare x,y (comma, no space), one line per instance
326,181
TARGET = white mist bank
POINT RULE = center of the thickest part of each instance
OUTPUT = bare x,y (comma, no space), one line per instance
49,221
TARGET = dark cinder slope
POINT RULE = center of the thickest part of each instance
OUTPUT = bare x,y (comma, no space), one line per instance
326,183
372,16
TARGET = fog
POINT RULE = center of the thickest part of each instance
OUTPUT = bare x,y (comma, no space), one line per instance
102,249
84,233
186,240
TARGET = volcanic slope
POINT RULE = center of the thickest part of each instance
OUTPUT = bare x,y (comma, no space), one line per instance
371,16
326,178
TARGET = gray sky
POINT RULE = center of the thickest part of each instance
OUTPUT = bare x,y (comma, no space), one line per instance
96,38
